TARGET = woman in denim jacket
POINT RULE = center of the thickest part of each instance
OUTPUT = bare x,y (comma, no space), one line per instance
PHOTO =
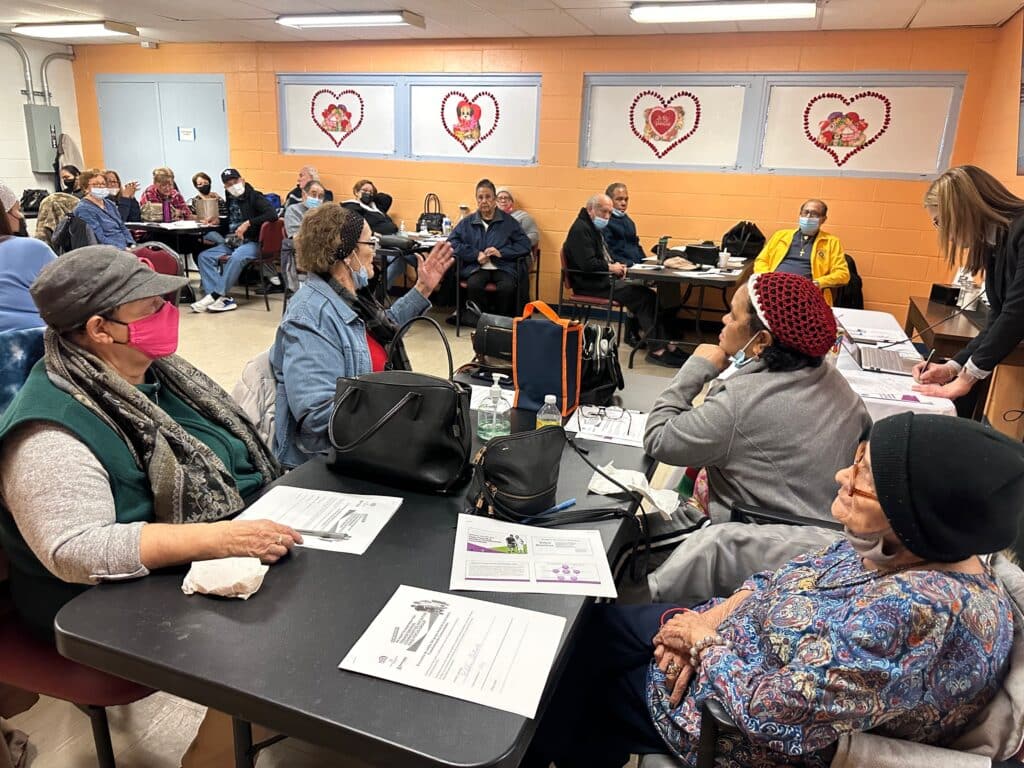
333,327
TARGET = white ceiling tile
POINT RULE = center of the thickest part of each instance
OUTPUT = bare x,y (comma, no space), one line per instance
504,7
957,13
551,23
869,14
613,21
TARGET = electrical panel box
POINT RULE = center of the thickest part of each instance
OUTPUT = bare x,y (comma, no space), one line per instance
42,123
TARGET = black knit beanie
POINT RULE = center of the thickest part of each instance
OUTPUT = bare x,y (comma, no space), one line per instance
950,487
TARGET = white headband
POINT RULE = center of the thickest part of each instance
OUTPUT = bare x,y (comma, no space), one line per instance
756,301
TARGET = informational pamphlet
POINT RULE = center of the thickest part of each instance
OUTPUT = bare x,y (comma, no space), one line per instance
337,522
494,556
494,655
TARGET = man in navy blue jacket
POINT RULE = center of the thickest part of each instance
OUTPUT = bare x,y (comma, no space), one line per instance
490,247
620,234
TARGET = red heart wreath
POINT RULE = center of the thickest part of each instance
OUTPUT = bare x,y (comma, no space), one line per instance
336,114
840,161
475,109
660,153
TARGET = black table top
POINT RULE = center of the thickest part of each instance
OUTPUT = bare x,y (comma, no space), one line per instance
273,659
695,277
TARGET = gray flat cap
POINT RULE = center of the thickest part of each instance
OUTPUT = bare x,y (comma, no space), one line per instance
92,280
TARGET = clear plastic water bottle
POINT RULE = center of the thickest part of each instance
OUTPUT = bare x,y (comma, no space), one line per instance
446,226
401,227
494,417
549,415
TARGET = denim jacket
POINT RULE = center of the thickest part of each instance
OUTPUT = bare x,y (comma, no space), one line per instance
319,340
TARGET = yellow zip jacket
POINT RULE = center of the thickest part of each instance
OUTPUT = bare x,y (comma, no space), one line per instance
828,261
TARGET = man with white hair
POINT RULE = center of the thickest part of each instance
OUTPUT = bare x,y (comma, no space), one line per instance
307,173
586,251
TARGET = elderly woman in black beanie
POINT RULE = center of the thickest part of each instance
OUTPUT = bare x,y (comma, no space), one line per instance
899,627
335,326
117,457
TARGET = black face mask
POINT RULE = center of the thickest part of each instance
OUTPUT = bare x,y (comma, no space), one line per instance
22,229
69,185
366,198
204,189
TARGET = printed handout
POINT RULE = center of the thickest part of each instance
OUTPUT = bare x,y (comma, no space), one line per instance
336,522
608,425
494,556
494,655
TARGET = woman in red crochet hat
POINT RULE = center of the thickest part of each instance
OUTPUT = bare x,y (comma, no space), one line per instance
775,425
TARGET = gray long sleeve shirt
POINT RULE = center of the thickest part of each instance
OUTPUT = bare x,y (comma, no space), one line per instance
773,439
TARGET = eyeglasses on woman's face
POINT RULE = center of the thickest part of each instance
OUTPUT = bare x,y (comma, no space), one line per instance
373,242
858,459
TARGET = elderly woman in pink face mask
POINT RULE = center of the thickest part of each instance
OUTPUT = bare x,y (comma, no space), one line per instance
507,204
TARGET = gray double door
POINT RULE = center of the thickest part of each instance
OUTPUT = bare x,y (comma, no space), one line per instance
177,121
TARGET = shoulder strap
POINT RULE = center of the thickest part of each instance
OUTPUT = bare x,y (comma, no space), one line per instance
423,318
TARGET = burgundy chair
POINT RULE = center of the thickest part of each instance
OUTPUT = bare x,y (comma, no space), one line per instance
582,303
33,664
271,237
163,259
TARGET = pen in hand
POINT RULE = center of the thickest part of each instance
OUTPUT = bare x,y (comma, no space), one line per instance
333,535
928,361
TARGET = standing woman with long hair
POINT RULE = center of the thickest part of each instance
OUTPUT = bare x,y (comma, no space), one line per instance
981,227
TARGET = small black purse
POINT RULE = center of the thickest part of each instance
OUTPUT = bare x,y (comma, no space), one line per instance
402,428
516,476
492,342
431,219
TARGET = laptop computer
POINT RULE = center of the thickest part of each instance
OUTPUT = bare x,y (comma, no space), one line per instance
877,359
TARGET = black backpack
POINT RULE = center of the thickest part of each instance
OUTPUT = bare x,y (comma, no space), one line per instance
744,240
851,295
31,199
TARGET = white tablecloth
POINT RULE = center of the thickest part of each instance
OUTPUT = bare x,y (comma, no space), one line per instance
883,327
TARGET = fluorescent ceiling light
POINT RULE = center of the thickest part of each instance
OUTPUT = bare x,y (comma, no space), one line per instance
369,19
749,10
68,30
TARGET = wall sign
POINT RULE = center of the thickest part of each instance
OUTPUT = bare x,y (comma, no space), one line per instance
337,117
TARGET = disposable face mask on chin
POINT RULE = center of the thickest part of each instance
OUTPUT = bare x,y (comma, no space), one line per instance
738,360
600,223
871,546
616,212
360,277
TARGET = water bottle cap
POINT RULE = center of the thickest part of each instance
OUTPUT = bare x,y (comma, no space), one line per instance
550,399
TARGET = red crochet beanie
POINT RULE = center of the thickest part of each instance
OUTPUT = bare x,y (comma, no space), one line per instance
794,311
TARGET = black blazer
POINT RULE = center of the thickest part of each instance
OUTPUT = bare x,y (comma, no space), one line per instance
1004,286
128,207
584,250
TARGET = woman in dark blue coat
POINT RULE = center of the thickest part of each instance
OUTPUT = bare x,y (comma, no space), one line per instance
490,247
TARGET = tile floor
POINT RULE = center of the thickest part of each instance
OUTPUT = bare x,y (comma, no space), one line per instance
155,732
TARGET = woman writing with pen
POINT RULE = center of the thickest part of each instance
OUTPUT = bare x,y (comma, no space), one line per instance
981,226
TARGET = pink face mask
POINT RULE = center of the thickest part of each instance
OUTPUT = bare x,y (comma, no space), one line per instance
156,335
506,206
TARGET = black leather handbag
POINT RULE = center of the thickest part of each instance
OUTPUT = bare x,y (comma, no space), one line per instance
431,219
602,374
492,342
401,428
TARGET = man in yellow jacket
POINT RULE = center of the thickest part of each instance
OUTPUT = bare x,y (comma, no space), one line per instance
807,251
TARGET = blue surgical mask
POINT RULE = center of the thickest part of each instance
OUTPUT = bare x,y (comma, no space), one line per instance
617,212
808,225
100,192
740,359
360,277
313,202
600,223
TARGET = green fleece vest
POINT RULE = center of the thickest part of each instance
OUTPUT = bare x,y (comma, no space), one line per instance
37,593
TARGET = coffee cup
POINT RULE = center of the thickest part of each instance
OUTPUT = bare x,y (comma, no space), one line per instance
723,259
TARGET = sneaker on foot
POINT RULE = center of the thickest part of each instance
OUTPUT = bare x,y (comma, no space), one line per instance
223,304
203,304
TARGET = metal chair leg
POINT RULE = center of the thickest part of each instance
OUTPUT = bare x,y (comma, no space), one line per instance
242,732
101,736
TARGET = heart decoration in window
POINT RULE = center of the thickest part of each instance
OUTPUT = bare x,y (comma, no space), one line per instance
470,121
663,124
338,115
842,127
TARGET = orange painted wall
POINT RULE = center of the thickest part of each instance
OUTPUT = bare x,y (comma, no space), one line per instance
997,144
880,222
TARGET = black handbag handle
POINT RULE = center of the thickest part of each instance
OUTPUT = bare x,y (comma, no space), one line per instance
431,200
447,347
409,397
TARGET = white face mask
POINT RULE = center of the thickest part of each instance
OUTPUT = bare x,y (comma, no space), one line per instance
98,192
236,189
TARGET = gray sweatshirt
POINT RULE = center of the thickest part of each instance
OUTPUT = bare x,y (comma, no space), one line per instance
773,439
